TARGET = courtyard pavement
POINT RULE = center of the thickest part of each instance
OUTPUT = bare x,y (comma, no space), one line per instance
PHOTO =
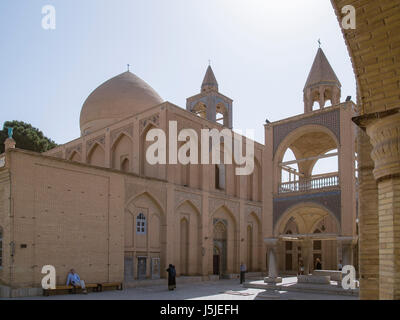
207,290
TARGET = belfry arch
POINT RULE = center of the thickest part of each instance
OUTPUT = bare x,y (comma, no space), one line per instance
309,144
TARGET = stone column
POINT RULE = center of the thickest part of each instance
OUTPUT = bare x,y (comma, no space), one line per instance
272,246
368,220
306,255
339,252
9,144
321,97
384,132
347,245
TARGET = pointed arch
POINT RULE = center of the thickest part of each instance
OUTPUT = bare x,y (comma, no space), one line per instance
147,215
146,168
75,156
96,155
254,242
184,245
121,151
190,203
148,194
188,238
303,209
119,137
200,109
229,259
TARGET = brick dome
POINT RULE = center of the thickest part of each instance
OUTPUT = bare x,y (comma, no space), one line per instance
117,98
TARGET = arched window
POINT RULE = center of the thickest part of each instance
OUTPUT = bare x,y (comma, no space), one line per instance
141,224
220,176
125,165
221,114
1,247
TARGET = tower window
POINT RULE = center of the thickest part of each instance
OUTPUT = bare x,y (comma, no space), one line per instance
141,224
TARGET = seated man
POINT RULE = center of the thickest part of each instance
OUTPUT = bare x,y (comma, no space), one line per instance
74,280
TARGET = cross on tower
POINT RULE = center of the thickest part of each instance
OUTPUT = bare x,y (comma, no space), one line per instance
319,42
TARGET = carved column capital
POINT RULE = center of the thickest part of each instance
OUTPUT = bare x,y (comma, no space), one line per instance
271,243
384,134
351,241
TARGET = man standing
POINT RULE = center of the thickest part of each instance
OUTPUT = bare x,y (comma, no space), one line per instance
242,272
171,277
76,281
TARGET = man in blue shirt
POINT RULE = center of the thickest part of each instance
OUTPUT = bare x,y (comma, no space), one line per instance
74,280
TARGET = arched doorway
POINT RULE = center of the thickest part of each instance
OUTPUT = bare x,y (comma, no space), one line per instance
220,248
249,247
216,260
184,244
307,231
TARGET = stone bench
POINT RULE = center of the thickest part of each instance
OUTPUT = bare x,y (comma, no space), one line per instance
314,279
334,274
70,289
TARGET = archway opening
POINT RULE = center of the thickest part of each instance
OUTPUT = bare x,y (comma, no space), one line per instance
309,161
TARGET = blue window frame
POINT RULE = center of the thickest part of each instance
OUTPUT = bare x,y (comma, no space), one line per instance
141,224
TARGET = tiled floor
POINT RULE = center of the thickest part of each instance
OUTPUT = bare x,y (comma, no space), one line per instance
210,290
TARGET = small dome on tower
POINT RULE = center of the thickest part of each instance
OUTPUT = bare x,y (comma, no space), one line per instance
117,98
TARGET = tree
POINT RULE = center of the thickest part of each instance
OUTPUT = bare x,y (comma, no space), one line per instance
26,137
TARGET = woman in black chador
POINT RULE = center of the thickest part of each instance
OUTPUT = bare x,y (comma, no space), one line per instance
171,277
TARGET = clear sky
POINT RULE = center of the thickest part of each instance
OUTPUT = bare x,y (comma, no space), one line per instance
261,52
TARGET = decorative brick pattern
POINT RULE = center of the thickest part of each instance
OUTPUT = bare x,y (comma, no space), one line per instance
154,119
101,140
330,120
70,150
329,200
116,133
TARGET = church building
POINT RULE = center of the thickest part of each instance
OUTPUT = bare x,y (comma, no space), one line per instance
96,204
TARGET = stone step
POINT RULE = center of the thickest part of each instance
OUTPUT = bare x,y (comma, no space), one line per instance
304,287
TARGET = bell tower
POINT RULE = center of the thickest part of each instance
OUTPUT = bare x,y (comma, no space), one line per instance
322,84
209,103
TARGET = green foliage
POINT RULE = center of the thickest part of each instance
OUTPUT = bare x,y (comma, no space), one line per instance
26,137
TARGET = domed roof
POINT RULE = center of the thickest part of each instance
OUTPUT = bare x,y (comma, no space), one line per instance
116,99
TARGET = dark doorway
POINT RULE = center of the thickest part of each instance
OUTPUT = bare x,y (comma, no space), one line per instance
128,268
216,264
141,270
289,265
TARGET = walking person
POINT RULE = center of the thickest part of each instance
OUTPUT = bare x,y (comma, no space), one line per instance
340,265
301,267
243,270
171,277
318,264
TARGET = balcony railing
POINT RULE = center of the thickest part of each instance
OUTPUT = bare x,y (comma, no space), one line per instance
312,183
